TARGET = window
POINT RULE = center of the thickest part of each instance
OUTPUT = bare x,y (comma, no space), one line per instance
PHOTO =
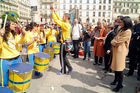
103,14
94,1
93,20
45,6
70,6
119,10
40,6
64,6
70,1
115,10
127,4
109,1
136,11
75,6
87,1
75,1
108,20
80,1
64,1
93,13
104,1
127,10
80,6
100,1
100,7
99,14
87,6
93,6
104,8
87,13
109,7
131,10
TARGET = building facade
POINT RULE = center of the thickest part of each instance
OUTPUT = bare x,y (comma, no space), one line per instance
22,7
94,10
44,9
126,8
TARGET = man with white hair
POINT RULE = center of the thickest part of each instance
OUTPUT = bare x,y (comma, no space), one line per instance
76,33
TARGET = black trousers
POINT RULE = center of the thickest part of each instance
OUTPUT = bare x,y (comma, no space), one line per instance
134,61
118,78
107,60
98,59
64,60
76,48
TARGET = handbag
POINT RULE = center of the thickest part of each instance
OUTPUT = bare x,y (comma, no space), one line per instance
68,45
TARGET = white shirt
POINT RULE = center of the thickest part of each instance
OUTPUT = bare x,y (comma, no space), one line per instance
76,32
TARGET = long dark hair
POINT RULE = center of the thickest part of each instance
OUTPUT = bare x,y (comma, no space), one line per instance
127,23
7,30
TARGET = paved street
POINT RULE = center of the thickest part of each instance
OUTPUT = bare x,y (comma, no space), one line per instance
85,78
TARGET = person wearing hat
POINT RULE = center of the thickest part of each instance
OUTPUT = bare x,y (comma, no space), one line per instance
9,41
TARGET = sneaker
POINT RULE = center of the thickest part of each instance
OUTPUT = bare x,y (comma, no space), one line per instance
59,73
70,71
84,58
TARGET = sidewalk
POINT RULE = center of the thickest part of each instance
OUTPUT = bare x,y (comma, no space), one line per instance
85,78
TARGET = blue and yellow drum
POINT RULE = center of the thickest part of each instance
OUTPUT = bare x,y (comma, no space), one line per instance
5,90
20,75
49,51
41,61
56,47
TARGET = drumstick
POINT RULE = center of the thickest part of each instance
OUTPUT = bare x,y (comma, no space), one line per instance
12,14
5,20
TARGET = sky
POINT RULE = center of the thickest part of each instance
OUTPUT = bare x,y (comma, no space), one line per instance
33,2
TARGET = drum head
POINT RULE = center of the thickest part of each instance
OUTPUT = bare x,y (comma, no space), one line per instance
20,68
56,43
5,90
42,55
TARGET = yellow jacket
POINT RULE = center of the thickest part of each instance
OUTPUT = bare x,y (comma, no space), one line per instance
42,38
9,50
33,48
50,34
66,27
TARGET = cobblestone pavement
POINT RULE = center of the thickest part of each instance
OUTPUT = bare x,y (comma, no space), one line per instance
85,78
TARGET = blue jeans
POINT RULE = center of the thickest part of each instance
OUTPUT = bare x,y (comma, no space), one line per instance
87,48
41,46
31,58
4,65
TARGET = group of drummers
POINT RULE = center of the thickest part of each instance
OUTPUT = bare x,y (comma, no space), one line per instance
34,37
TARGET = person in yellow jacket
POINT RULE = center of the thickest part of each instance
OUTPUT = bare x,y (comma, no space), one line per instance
42,38
9,53
66,30
51,34
31,41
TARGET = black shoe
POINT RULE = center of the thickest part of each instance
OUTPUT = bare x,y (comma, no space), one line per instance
138,78
117,88
129,74
99,63
113,83
94,63
104,68
84,58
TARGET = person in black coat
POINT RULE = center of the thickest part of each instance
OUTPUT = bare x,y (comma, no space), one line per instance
108,47
134,51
